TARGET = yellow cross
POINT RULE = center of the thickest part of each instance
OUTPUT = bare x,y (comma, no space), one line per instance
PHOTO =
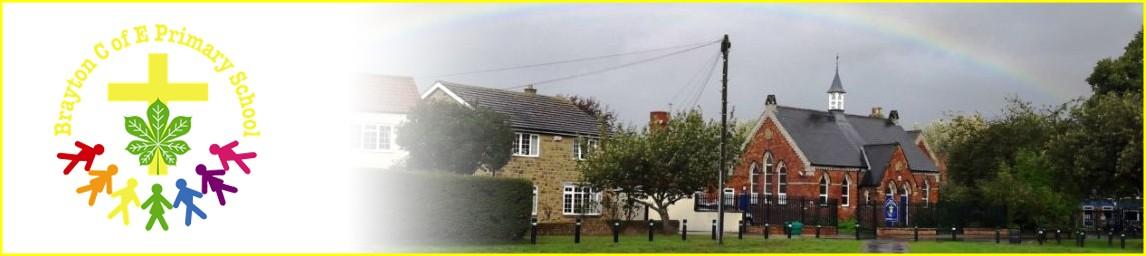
157,86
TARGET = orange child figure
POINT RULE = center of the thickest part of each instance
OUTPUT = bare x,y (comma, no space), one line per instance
86,154
159,205
101,183
227,153
126,196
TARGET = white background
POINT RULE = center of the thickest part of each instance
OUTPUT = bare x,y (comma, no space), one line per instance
298,198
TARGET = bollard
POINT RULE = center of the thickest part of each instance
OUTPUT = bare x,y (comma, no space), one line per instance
857,231
1099,233
789,230
650,230
577,232
953,233
616,231
766,231
713,229
915,229
684,230
1082,239
1058,236
996,235
740,230
1109,239
1039,238
1123,238
533,232
817,230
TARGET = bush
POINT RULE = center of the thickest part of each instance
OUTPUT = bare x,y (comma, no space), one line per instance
846,224
442,208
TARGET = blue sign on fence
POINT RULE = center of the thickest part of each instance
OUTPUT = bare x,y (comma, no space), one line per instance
890,210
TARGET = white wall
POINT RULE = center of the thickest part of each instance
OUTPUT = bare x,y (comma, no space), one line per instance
378,159
698,221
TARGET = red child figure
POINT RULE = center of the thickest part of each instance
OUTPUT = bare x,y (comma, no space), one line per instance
227,153
86,154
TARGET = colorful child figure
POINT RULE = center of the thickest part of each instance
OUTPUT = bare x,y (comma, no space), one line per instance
227,153
214,183
158,205
98,184
86,154
126,196
186,196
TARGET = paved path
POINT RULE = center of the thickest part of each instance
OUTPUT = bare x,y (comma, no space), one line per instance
885,246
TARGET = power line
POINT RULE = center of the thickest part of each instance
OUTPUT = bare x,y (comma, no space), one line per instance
642,61
697,83
569,60
707,80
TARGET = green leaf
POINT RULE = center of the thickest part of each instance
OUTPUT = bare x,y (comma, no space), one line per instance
146,157
157,115
138,147
168,157
136,127
179,126
177,147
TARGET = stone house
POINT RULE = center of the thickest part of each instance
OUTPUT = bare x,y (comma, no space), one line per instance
551,135
832,157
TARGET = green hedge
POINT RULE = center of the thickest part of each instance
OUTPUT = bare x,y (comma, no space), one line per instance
446,208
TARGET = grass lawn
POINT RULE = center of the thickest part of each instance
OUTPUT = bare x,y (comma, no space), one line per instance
701,243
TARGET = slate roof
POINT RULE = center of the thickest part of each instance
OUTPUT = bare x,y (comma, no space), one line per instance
840,140
529,112
879,156
387,94
837,86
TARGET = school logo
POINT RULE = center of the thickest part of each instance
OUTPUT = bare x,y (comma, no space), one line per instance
134,142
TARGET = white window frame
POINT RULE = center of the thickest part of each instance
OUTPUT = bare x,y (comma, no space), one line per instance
375,130
534,146
753,176
782,184
535,196
768,168
846,192
825,186
576,195
578,152
926,193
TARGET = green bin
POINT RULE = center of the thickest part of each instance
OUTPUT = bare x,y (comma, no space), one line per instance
797,227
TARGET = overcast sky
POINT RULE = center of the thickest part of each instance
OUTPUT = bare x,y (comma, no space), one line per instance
922,59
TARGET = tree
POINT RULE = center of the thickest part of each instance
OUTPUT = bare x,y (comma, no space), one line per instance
1100,146
1123,74
662,164
450,137
593,107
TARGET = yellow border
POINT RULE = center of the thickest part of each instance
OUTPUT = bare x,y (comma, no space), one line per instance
4,2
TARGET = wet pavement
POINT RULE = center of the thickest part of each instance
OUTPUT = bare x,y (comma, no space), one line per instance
885,246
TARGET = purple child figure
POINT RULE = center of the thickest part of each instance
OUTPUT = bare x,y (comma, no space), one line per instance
214,183
227,153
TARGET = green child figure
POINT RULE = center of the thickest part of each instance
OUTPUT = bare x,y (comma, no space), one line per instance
157,203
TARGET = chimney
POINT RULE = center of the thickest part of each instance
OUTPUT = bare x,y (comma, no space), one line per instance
658,119
893,117
876,112
530,90
770,102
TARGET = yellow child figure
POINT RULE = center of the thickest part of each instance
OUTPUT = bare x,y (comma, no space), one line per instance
98,184
126,196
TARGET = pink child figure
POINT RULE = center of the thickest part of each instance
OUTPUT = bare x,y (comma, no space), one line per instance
214,183
227,153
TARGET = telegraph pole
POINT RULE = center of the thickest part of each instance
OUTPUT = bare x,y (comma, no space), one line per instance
724,45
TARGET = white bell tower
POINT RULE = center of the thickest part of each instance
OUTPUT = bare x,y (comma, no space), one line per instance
836,92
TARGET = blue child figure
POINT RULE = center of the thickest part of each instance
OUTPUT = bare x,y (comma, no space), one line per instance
186,196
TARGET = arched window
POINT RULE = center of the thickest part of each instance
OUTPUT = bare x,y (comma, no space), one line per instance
824,189
782,184
753,178
926,193
768,177
845,194
891,189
